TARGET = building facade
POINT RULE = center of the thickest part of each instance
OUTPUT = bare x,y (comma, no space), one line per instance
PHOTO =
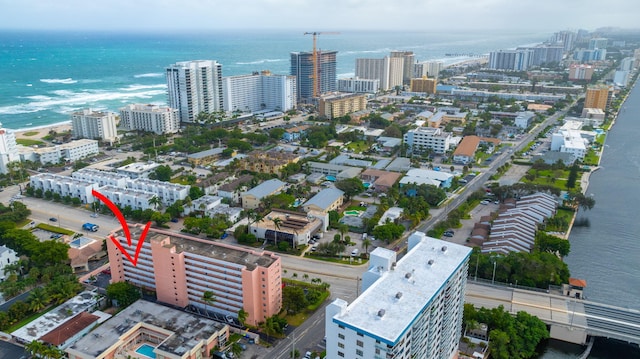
388,70
428,68
408,60
409,308
302,69
423,138
94,125
7,257
8,149
64,186
180,269
598,97
332,106
578,72
358,85
424,84
149,118
194,87
510,60
259,92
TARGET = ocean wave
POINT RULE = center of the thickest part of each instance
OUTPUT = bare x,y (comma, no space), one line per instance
67,81
151,74
346,75
257,62
137,87
63,100
378,51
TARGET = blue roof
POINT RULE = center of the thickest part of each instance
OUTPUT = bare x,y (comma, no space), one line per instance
266,188
325,198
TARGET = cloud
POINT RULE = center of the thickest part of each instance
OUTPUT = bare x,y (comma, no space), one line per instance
317,15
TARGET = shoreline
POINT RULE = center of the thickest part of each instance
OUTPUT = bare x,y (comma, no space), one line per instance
42,131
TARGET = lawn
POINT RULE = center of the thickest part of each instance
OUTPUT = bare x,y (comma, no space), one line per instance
358,146
29,319
563,216
29,142
54,229
30,133
591,158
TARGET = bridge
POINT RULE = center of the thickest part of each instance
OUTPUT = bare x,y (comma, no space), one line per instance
570,319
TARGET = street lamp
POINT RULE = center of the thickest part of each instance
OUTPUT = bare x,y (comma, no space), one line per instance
358,279
494,271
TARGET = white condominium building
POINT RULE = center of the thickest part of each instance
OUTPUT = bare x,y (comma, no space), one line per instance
358,85
409,308
428,69
8,149
194,87
422,138
94,125
150,118
71,151
258,92
64,186
389,70
168,192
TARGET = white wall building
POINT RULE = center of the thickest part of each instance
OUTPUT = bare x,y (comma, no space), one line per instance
168,192
136,199
389,70
149,118
194,87
428,68
422,138
94,125
71,151
138,169
524,119
358,85
409,308
101,178
258,92
64,186
569,141
8,149
7,257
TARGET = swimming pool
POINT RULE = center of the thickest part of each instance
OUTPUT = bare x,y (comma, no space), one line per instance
353,213
146,350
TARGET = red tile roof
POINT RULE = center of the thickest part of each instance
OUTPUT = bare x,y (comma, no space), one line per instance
575,282
69,328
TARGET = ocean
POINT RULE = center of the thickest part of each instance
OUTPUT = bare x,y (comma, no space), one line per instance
47,75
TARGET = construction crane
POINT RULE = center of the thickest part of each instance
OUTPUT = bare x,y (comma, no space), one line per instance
316,82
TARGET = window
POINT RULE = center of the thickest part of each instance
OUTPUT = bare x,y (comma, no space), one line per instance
340,326
359,352
341,354
341,336
341,345
359,343
360,334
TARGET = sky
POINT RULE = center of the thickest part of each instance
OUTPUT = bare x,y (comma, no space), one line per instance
318,15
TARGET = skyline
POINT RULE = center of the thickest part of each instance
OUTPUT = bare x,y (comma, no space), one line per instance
186,15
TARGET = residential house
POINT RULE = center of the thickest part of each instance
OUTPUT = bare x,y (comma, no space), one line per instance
252,198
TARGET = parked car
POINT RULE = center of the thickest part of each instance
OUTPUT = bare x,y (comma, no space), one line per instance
485,202
53,219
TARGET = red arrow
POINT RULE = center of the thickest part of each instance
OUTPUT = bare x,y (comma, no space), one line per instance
125,228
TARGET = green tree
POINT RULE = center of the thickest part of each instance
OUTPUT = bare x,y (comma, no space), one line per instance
365,244
162,173
208,298
277,221
293,299
124,293
156,202
242,316
38,299
350,187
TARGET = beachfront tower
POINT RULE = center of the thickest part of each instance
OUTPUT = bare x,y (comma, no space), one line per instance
8,149
302,69
194,87
94,125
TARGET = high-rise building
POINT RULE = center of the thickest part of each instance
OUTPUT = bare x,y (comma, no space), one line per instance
598,43
194,87
389,70
259,91
565,38
409,308
598,97
302,69
424,84
580,72
409,59
149,118
8,149
421,139
427,68
544,54
586,55
94,125
180,269
512,60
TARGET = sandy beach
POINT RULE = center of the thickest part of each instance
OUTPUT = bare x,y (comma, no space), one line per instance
39,132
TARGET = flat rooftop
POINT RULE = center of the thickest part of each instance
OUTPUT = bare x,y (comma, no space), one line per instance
53,319
413,277
185,330
227,253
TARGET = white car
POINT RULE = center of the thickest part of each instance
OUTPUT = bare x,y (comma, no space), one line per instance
485,202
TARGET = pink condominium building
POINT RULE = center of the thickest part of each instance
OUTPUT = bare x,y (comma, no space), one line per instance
180,269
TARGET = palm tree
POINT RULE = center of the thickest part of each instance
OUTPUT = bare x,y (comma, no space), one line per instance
35,348
208,298
38,299
242,316
365,244
276,223
343,228
236,349
156,202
